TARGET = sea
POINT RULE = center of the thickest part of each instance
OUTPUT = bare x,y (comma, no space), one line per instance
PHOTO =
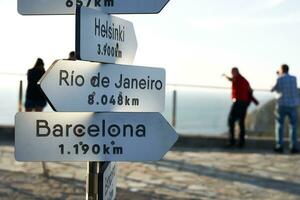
199,110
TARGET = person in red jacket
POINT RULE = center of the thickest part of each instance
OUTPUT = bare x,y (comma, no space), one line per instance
242,96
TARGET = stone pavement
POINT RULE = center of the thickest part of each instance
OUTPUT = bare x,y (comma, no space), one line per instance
183,174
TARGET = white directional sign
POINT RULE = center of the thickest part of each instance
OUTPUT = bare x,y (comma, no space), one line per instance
42,136
104,38
59,7
108,181
80,86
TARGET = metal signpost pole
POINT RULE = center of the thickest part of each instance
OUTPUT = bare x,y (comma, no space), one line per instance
100,164
20,96
92,181
174,106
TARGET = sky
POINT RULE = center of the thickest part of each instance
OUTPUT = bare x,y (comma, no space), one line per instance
194,40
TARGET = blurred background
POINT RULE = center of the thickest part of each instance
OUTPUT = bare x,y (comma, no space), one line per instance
196,41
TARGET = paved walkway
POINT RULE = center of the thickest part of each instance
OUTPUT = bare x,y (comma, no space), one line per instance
188,174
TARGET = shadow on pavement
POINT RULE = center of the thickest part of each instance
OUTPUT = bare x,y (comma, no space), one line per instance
258,181
233,150
20,185
27,186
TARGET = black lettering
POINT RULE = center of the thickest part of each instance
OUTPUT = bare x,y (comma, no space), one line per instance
106,29
97,27
58,130
142,84
106,149
135,102
93,130
79,3
110,32
69,3
68,126
126,83
79,130
103,30
97,3
134,83
127,101
88,3
79,80
103,128
63,75
158,85
114,130
121,34
117,150
120,82
116,33
95,80
42,124
108,3
105,82
141,131
152,82
129,128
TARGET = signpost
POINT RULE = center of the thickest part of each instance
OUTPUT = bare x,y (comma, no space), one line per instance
92,87
92,136
104,38
126,132
64,7
92,173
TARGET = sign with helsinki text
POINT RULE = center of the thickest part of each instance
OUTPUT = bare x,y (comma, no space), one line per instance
80,86
64,7
42,136
104,38
108,181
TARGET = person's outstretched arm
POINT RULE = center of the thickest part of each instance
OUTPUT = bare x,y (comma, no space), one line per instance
275,88
227,77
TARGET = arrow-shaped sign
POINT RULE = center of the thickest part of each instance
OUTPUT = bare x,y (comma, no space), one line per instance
80,86
107,186
104,38
92,136
65,7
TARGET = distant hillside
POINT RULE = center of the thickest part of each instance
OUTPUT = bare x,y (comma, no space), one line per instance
261,121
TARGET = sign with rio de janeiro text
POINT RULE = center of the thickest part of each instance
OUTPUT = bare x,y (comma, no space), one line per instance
80,86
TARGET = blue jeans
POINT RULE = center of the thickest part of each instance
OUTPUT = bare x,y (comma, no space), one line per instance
281,113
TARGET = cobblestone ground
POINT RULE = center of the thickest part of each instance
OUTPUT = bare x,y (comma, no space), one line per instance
183,174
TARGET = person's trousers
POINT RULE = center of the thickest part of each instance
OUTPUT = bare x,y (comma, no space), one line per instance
238,113
280,114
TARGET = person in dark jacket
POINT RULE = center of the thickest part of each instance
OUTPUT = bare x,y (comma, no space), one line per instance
242,96
72,55
35,99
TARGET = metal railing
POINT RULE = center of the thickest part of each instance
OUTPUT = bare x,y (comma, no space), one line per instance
175,106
